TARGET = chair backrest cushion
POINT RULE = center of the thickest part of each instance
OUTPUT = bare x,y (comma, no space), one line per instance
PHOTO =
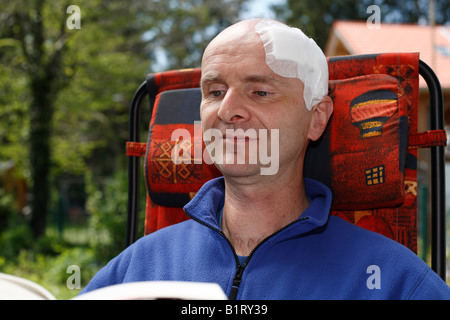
363,156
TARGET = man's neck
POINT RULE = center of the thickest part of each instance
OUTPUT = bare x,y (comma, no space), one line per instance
253,212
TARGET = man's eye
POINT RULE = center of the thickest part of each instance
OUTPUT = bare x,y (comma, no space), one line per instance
216,93
262,93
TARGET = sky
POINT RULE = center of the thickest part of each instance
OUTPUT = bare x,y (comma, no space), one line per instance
260,8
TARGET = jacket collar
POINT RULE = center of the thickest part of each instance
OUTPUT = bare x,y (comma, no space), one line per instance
210,199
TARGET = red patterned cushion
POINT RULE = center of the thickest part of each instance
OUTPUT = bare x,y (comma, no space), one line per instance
170,184
361,156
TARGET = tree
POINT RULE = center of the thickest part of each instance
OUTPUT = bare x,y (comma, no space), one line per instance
65,92
187,27
42,59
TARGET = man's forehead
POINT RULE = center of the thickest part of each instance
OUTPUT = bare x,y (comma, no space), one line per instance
247,66
241,31
236,39
253,77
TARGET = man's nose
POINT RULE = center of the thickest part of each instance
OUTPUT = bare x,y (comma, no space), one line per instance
232,108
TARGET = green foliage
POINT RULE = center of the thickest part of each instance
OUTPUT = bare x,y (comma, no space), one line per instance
64,98
6,209
14,239
108,207
188,27
88,76
45,261
90,247
50,271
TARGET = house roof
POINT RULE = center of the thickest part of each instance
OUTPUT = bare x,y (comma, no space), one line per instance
357,38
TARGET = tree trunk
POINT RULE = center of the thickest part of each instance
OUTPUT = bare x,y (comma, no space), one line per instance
41,111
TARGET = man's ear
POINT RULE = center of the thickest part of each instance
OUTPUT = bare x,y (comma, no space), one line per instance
321,113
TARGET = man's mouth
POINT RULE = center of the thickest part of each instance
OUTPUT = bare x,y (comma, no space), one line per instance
227,138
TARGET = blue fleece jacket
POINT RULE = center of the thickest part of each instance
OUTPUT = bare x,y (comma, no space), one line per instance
316,257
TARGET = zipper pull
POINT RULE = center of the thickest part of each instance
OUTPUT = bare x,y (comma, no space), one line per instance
236,282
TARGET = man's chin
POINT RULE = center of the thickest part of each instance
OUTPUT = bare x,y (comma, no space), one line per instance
239,170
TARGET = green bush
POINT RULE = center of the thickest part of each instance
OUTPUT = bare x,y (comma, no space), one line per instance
52,271
14,239
107,205
6,208
90,246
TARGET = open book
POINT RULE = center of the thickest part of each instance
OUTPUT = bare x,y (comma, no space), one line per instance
16,288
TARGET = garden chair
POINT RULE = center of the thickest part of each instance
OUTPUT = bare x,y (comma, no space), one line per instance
369,148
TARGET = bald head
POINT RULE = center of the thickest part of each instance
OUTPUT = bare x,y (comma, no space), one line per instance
287,51
240,34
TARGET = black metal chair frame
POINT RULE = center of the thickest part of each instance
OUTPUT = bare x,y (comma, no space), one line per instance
438,258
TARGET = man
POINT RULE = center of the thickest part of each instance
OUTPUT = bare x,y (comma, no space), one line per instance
270,236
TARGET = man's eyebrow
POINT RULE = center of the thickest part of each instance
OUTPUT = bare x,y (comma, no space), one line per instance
274,81
208,78
258,78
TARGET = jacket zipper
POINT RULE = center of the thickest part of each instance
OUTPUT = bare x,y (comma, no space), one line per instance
240,268
237,281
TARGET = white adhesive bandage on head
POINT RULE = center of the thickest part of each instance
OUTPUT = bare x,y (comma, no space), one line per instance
291,54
